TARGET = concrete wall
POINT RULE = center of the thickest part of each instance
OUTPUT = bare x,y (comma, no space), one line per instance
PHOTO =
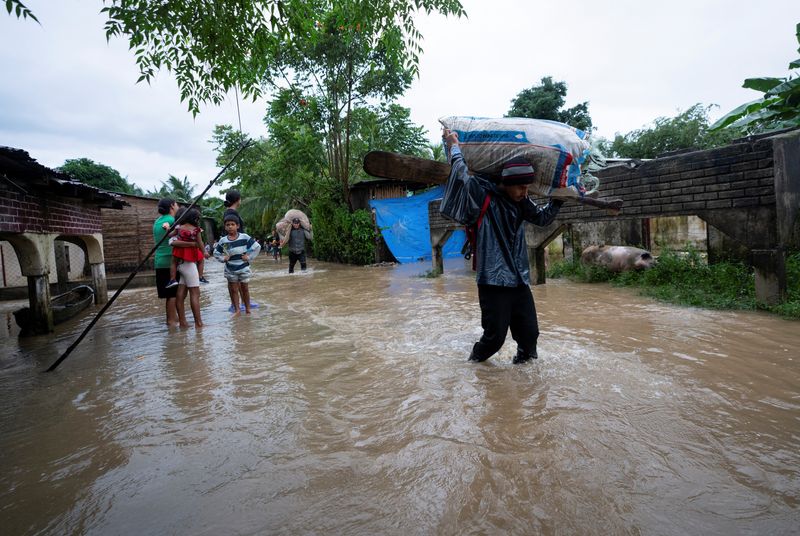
11,273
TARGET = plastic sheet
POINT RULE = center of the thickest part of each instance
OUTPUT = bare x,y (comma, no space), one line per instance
403,222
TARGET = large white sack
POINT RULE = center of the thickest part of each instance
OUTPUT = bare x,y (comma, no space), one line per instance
285,224
555,150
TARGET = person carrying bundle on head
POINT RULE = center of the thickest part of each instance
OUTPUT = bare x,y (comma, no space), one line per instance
497,211
296,240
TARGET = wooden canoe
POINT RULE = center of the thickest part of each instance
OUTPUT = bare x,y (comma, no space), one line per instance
64,306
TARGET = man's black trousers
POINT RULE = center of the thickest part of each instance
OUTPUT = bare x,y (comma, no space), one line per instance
294,257
501,308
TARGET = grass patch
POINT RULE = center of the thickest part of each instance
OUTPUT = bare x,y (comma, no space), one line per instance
689,280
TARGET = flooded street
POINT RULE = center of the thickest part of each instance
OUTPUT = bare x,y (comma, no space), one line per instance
345,405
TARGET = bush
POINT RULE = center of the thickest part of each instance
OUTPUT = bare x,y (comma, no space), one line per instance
340,235
688,280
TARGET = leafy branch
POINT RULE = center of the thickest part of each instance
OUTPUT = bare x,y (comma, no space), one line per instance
778,108
20,10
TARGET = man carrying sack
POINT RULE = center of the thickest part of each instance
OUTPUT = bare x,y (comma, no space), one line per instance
503,272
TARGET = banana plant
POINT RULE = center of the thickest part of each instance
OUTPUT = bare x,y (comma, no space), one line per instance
778,108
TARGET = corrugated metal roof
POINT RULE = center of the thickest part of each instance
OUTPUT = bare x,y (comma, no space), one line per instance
26,175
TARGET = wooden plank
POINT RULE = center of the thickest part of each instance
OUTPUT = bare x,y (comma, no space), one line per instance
396,166
405,168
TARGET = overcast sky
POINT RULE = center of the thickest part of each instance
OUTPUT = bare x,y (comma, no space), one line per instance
67,93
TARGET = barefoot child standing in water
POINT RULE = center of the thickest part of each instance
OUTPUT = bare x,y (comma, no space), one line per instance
236,250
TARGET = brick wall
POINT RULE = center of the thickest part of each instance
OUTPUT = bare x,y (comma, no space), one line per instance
20,213
735,176
732,177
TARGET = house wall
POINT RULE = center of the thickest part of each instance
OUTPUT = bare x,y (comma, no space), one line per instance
128,234
20,213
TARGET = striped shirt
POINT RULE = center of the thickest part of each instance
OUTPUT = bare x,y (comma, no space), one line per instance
235,248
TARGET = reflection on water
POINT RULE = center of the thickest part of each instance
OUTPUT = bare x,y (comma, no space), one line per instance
344,404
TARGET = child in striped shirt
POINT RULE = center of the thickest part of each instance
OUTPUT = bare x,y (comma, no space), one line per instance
236,250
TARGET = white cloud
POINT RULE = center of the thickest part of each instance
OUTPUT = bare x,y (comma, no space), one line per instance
632,60
70,94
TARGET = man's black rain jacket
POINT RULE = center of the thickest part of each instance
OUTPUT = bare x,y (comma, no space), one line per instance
502,254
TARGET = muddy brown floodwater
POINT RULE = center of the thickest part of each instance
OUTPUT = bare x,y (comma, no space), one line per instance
345,405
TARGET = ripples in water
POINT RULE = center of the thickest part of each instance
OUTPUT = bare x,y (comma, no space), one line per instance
344,404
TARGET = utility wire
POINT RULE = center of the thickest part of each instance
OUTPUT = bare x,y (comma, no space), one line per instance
238,114
141,264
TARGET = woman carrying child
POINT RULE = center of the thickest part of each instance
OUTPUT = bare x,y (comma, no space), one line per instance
186,232
185,261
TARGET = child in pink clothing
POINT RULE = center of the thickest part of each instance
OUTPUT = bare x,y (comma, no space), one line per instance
188,231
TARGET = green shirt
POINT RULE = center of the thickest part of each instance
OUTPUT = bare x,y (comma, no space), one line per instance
163,255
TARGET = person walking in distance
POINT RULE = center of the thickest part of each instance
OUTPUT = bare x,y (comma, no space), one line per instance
296,239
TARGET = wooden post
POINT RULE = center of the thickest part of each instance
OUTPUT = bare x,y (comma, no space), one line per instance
41,315
438,240
538,264
62,264
99,283
378,258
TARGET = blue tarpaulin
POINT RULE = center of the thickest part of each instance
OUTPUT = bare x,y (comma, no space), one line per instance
404,225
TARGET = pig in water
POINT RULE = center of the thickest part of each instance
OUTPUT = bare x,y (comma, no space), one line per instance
618,258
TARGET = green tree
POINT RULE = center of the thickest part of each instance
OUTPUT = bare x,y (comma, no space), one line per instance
342,59
436,152
213,46
545,101
175,188
778,108
212,207
687,130
341,235
289,169
389,128
273,174
98,175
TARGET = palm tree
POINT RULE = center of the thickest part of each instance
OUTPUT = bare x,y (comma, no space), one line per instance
437,152
179,190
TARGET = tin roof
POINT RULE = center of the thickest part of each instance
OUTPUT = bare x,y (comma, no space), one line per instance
26,175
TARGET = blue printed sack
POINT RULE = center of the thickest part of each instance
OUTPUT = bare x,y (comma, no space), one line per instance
555,150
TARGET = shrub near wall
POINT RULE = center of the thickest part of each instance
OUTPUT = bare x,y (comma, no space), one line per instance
686,279
342,236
